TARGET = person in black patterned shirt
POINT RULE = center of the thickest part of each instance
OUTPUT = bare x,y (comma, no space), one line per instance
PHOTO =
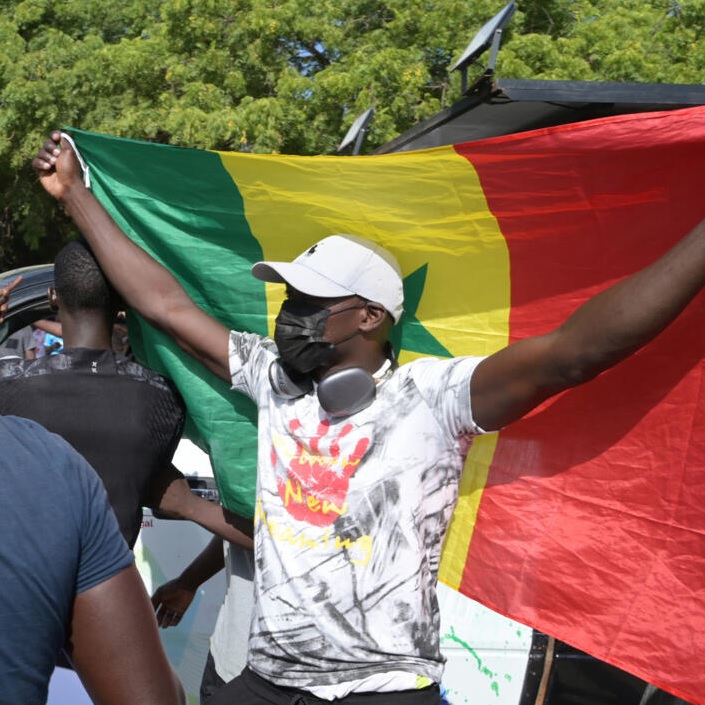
125,419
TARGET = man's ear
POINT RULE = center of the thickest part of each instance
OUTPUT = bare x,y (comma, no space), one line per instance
53,301
373,317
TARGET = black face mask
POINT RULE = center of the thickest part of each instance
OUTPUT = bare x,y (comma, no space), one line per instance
298,333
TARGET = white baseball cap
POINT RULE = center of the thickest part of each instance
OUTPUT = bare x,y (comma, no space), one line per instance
341,265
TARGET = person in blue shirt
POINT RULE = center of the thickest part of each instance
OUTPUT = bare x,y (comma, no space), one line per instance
69,580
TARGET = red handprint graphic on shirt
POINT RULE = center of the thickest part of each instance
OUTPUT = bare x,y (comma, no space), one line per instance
318,476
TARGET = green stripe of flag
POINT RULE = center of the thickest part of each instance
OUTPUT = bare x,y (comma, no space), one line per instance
183,208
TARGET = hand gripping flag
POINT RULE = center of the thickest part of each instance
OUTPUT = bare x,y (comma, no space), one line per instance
587,518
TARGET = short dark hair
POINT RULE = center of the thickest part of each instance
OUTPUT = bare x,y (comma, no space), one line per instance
80,281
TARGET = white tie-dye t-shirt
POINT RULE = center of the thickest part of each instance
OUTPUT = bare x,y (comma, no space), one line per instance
350,518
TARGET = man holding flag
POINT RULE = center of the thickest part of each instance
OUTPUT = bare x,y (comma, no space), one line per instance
360,460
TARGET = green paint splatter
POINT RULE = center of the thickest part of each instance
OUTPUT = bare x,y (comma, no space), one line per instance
452,636
494,685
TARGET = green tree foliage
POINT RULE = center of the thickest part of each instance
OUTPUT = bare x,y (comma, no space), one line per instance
286,76
650,41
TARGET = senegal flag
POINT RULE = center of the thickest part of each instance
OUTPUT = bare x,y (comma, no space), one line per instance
587,518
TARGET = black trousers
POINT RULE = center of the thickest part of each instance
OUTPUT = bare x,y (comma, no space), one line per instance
211,682
249,689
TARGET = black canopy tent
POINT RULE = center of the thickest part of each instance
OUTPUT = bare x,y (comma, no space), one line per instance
506,106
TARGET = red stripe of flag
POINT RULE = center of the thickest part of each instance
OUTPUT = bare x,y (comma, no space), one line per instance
592,523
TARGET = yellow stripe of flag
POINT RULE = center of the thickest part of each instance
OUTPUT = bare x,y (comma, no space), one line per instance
418,209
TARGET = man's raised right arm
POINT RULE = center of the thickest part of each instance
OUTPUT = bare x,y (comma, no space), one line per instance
145,285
